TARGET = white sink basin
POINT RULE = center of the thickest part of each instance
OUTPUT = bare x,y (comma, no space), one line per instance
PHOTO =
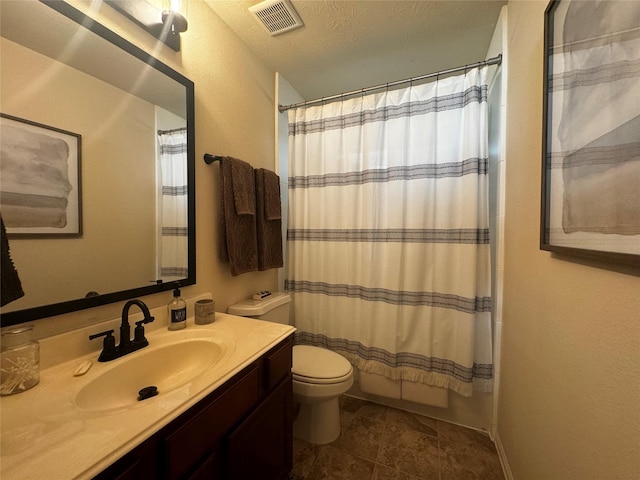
166,367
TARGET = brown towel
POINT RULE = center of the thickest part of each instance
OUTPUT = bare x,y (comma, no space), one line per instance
272,207
244,193
10,282
238,244
268,220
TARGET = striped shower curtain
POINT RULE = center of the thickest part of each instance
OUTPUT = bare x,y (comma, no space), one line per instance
388,234
173,234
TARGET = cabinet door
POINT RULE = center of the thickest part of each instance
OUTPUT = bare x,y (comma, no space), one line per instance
139,464
128,472
199,437
262,446
210,469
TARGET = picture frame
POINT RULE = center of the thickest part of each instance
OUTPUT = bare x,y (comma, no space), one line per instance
591,132
40,191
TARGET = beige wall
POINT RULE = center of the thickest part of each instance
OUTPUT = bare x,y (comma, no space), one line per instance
234,101
570,379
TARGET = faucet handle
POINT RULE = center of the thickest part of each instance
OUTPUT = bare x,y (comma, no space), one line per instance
138,336
108,335
108,346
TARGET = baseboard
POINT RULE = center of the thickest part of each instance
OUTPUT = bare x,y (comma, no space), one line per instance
506,469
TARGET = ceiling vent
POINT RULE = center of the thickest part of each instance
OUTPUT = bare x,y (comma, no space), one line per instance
277,16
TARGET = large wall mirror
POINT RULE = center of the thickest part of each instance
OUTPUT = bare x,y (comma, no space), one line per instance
128,178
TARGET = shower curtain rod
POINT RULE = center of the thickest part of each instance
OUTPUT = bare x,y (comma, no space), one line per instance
490,61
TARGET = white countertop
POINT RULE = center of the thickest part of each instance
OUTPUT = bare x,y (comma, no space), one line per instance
44,434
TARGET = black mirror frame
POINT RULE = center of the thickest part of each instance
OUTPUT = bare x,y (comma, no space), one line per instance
26,315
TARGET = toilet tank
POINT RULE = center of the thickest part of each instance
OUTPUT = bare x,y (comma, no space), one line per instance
274,308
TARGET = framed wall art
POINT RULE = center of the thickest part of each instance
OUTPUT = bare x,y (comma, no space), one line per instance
591,131
40,190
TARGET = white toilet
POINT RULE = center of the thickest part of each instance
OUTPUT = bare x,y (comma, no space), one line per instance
320,376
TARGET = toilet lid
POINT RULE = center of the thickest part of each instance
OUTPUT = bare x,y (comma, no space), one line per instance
319,365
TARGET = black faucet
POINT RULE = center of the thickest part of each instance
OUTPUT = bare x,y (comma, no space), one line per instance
109,349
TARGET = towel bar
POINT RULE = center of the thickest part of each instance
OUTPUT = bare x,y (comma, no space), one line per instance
209,159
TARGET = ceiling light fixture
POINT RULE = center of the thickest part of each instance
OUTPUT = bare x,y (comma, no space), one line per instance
166,23
174,14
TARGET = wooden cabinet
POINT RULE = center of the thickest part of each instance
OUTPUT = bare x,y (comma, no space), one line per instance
242,430
261,446
202,434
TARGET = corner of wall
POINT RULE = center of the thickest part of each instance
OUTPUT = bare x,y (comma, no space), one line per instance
497,162
506,469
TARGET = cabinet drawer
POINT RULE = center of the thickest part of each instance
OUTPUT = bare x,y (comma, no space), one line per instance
201,434
277,363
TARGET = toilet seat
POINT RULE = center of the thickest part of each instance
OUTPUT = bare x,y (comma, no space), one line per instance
319,366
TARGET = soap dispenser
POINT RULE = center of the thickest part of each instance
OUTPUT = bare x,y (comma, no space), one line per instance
177,310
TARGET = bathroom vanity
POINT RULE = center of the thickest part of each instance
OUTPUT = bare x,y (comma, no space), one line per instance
223,408
241,430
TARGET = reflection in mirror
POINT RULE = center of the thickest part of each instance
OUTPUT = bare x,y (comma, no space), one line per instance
135,182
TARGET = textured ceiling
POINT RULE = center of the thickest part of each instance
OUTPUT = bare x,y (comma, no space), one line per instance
351,44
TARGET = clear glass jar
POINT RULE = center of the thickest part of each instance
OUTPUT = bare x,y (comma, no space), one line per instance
19,360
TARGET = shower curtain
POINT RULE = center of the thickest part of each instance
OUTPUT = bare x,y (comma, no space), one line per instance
388,231
173,234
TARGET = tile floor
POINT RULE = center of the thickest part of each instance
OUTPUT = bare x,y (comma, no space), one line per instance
383,443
